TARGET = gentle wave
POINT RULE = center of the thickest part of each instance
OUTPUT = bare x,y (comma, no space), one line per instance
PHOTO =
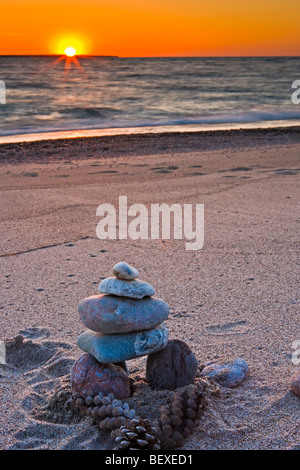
88,124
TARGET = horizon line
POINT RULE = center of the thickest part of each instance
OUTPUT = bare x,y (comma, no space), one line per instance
152,57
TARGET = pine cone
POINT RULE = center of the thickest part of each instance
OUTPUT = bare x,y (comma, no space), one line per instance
179,418
138,435
108,412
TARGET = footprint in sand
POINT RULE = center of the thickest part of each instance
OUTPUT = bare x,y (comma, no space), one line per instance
164,169
25,355
286,172
236,169
102,171
44,368
35,332
231,328
30,175
241,168
50,419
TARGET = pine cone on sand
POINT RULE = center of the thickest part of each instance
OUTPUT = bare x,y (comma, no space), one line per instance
179,418
108,412
138,435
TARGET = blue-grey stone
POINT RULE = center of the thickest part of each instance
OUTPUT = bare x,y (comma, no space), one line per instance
122,347
228,375
132,289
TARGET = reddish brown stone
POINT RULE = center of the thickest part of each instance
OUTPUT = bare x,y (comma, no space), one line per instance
89,377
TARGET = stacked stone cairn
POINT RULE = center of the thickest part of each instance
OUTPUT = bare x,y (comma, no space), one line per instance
125,322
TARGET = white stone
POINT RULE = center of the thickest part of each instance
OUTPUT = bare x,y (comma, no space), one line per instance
124,271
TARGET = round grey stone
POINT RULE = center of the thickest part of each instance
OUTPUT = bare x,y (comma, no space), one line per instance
173,367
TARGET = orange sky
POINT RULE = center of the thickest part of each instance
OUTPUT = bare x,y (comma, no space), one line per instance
151,27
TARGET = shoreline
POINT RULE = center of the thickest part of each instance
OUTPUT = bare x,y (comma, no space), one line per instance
139,144
141,130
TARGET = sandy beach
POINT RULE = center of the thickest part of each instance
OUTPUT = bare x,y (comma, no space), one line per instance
236,297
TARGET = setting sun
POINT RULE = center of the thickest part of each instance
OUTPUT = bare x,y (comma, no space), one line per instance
70,51
69,44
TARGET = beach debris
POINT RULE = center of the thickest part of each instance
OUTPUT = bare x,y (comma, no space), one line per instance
139,434
229,375
178,420
125,271
106,410
295,383
173,367
110,314
133,289
88,374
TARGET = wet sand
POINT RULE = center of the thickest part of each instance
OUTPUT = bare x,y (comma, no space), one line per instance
236,297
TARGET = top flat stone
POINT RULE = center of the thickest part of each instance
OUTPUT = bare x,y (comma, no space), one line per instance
124,271
132,289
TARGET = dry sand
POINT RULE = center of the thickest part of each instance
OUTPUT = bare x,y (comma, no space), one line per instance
237,297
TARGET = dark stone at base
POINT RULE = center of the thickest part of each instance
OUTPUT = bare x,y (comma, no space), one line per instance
172,367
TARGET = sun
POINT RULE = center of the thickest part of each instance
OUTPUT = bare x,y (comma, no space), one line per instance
70,44
69,48
70,51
